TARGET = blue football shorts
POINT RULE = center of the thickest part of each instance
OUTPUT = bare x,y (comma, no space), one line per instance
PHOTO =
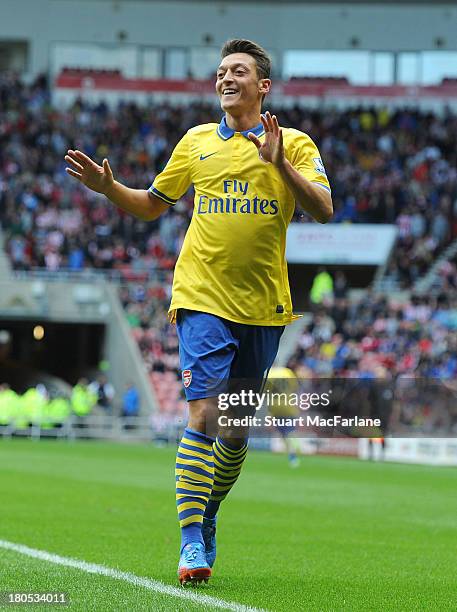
214,351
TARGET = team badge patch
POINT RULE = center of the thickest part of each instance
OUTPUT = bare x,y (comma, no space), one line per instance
318,165
186,377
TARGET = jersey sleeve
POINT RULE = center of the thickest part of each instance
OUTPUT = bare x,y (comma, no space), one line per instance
175,179
306,159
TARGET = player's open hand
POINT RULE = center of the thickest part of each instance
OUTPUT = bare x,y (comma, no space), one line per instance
98,178
272,149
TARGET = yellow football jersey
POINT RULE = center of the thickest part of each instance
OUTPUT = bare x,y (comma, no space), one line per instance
232,263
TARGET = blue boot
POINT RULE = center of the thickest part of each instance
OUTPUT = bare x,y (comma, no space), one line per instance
193,567
209,537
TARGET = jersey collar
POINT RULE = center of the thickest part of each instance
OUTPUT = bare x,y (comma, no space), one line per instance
225,132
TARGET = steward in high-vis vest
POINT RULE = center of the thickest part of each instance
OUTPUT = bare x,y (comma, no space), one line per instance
8,404
82,399
59,410
33,403
322,287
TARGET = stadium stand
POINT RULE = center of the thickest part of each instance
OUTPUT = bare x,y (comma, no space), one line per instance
386,166
406,352
379,337
146,310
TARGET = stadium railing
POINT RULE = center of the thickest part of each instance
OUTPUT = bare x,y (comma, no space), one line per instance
91,275
102,427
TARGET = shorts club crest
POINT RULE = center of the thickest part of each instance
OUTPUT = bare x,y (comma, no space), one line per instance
186,377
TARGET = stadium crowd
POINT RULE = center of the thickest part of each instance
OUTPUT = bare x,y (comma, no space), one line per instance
146,311
373,338
385,167
378,337
411,347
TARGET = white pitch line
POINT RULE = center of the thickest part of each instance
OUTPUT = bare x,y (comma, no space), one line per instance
147,583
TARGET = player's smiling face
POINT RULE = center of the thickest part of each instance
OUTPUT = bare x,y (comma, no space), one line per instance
238,85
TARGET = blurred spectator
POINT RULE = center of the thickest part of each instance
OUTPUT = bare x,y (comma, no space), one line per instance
340,286
104,392
130,401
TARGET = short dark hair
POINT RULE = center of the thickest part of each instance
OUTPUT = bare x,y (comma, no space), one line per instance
241,45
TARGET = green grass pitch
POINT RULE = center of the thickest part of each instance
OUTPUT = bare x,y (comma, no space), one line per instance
335,534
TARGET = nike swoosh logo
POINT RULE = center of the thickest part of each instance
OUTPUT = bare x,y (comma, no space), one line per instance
202,157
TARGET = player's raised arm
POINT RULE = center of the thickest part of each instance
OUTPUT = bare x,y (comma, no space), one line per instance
138,202
312,197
